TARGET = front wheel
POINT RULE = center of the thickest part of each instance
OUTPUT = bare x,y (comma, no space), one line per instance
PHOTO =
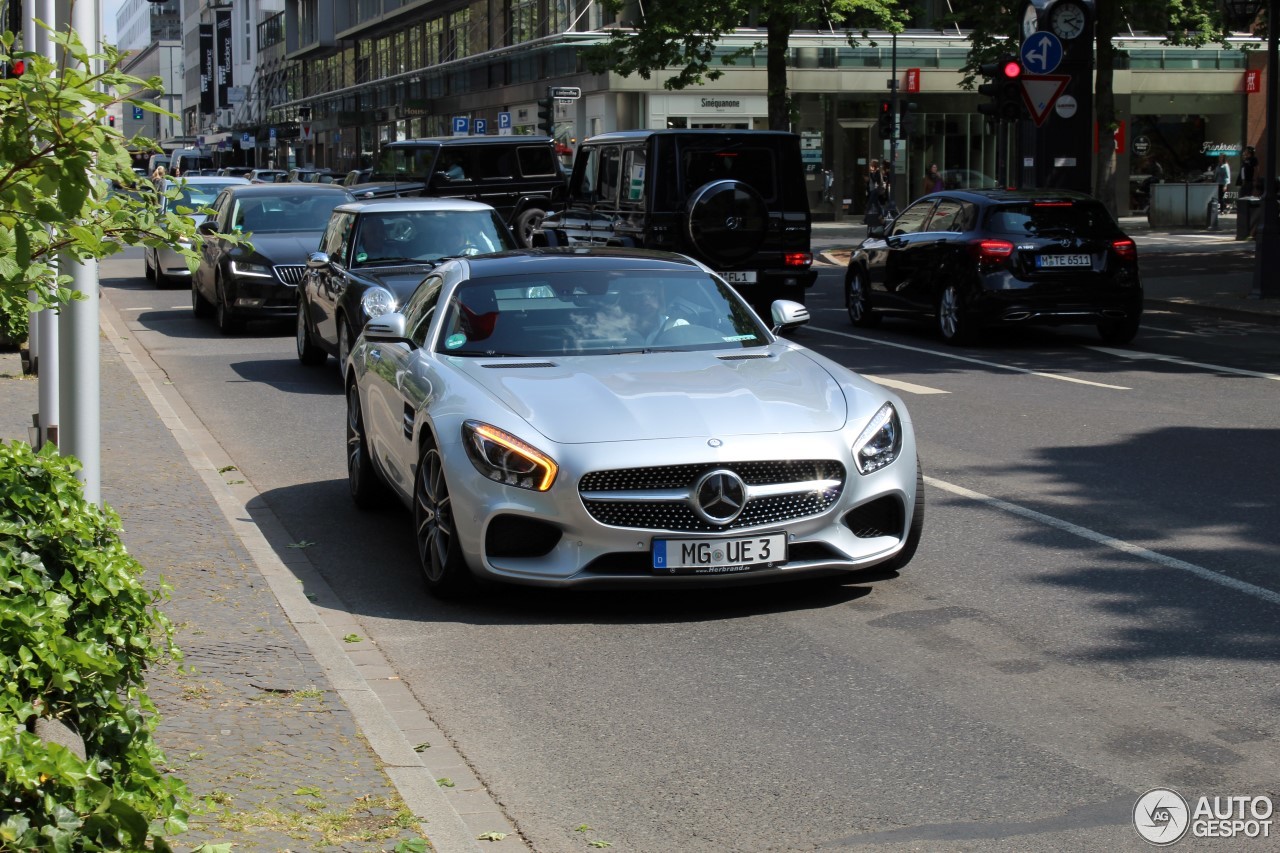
199,305
857,299
308,353
439,552
362,480
228,323
344,345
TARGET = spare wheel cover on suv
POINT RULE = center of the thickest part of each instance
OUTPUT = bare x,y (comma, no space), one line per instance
727,221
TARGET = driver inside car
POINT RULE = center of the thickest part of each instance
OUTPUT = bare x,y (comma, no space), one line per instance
646,309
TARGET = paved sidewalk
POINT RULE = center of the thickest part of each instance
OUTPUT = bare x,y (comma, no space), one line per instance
258,719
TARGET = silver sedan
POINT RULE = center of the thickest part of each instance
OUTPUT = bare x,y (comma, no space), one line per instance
573,417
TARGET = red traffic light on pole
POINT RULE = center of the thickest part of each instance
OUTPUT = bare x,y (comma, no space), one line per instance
1003,88
886,118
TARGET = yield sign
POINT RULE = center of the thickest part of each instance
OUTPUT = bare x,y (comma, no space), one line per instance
1041,91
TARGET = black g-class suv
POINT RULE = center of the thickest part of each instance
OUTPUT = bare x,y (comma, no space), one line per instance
733,199
519,176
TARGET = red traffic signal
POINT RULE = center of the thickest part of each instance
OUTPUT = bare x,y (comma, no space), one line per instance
1010,69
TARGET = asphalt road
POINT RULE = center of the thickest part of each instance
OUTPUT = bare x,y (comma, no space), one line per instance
1091,614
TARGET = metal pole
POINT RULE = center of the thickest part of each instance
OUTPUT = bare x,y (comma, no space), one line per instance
893,134
46,321
1266,267
80,398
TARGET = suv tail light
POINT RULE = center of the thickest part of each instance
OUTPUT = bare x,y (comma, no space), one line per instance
1125,249
798,259
990,251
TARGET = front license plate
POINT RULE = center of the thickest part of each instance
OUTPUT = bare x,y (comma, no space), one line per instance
1044,261
739,277
719,556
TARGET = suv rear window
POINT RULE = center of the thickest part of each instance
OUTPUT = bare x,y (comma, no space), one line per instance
1085,218
751,166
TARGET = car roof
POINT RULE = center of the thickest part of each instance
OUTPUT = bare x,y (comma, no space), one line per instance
458,141
568,259
408,205
991,196
252,189
194,180
708,132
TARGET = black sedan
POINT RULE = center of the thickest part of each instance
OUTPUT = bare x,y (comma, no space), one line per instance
283,224
981,258
372,256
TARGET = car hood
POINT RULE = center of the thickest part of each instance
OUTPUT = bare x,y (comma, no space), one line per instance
401,280
665,395
293,247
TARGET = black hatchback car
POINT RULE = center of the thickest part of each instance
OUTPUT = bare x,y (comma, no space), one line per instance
982,258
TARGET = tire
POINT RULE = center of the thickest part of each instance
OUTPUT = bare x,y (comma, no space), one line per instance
228,324
952,320
308,353
148,269
899,560
199,305
1120,332
727,221
363,481
443,568
857,299
526,223
344,344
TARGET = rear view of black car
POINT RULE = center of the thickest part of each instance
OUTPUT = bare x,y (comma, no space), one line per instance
974,259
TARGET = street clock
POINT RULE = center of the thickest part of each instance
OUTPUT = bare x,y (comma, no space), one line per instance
1067,20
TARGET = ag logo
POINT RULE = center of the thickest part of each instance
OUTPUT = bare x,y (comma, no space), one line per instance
1161,816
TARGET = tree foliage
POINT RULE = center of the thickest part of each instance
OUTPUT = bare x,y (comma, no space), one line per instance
682,40
61,171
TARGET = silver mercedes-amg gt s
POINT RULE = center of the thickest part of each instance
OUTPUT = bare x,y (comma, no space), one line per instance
568,417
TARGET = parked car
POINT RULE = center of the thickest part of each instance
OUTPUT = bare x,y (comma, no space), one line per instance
518,175
307,175
372,256
357,176
165,265
977,258
733,199
283,222
234,171
967,179
578,417
268,176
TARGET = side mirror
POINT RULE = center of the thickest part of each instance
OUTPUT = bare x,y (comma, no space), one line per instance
317,260
208,228
788,315
876,231
389,328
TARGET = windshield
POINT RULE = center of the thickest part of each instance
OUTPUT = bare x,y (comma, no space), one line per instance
597,313
427,235
286,212
196,196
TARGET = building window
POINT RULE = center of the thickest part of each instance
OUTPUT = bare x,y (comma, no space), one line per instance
524,20
460,34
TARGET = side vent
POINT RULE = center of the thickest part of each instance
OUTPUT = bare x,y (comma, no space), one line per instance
506,365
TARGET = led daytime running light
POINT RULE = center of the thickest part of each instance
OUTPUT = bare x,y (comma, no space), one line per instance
481,440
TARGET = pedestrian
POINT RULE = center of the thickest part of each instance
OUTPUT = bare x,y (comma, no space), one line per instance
1222,177
1249,172
886,179
932,181
876,194
828,183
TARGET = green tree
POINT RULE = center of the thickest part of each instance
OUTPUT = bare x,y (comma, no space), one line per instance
67,183
681,39
994,24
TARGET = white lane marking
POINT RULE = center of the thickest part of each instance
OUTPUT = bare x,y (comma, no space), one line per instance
1110,542
970,360
1173,359
903,386
140,308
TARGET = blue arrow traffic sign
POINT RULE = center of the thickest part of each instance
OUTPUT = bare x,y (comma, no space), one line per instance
1041,53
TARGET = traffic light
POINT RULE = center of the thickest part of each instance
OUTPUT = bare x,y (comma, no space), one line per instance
1004,89
547,115
886,119
907,113
111,121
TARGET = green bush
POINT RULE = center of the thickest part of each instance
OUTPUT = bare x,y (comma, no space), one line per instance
14,316
77,632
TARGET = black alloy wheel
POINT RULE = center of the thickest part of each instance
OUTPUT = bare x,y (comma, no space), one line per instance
439,552
228,323
857,301
308,353
199,305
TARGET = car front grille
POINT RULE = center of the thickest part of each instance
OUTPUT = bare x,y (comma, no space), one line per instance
662,498
290,273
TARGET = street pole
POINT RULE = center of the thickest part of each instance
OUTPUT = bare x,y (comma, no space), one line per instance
893,134
78,343
44,334
1266,266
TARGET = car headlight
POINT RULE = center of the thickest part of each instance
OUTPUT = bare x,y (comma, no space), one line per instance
246,268
377,301
503,458
880,442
